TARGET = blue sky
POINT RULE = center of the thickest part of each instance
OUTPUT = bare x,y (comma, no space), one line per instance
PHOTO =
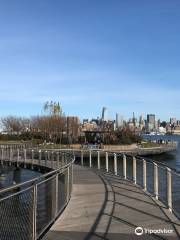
87,54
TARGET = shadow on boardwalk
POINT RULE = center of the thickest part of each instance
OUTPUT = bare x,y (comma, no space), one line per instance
104,206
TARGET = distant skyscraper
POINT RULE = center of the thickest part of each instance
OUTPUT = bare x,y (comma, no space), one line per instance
151,121
173,121
105,114
151,118
119,120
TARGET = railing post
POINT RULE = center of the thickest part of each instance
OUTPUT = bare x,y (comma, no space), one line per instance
25,158
2,155
46,158
67,185
39,158
124,167
134,170
72,176
32,158
98,160
56,207
82,158
34,210
107,162
57,159
90,158
52,160
18,157
144,176
169,188
155,180
10,155
115,163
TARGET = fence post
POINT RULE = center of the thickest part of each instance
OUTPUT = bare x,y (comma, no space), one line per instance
98,158
67,185
32,158
18,157
134,170
57,159
39,158
56,207
82,158
90,158
169,188
10,155
46,158
124,167
155,180
2,155
107,162
115,163
25,158
52,159
144,175
34,210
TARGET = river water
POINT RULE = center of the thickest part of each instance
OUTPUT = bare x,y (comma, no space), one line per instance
170,159
10,175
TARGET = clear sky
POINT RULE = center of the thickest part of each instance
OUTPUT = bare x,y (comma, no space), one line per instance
87,54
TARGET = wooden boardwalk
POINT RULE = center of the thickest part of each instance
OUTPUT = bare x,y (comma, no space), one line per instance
104,206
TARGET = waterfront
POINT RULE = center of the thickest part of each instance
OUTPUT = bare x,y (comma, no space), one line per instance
10,175
171,159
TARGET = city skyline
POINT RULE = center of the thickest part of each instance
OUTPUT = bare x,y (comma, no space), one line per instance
88,55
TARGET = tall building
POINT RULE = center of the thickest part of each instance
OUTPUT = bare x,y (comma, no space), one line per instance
151,121
104,114
173,121
119,120
141,122
151,118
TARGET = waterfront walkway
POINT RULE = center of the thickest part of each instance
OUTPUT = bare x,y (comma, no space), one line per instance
104,206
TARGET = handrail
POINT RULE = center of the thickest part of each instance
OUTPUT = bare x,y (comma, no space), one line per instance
150,175
156,179
49,193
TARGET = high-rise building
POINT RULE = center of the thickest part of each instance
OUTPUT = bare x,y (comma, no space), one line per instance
151,121
104,114
119,120
173,121
151,118
141,121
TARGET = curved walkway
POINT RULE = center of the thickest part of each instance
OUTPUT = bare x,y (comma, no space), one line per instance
104,206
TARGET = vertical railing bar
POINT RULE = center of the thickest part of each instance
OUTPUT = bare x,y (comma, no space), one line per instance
169,188
124,167
144,175
57,187
134,170
98,159
115,163
90,158
82,158
107,162
155,180
67,199
34,211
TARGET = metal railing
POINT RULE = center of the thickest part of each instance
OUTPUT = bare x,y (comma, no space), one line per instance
28,209
154,178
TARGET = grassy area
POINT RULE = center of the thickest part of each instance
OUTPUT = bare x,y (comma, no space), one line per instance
149,144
